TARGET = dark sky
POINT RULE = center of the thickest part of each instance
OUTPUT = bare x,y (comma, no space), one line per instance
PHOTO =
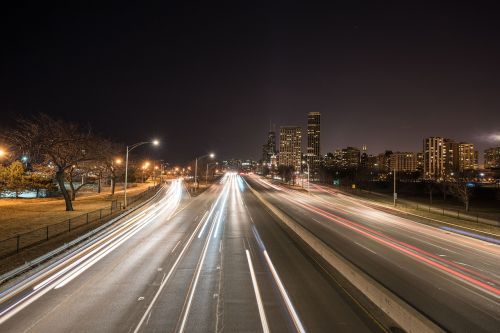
382,73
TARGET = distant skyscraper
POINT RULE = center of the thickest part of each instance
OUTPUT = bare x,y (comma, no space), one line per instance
492,158
364,157
269,149
313,143
290,146
348,158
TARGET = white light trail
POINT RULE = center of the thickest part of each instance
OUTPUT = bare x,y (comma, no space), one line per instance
260,305
289,305
103,247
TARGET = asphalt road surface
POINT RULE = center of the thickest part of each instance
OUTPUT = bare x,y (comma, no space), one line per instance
454,280
216,262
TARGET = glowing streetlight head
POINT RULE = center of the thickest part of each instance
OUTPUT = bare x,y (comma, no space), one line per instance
118,161
24,159
156,142
212,155
2,152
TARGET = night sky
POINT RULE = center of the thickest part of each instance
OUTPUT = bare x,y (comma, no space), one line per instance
212,78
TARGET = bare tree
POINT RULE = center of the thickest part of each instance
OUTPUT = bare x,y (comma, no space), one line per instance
58,143
107,166
462,190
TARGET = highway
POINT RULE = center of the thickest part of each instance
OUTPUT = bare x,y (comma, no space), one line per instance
212,263
452,279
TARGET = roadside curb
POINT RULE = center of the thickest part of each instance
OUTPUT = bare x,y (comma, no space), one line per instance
397,309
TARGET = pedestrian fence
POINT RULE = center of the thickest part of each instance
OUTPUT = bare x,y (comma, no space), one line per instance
74,224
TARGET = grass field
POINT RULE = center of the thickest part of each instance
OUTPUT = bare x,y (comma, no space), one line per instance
23,215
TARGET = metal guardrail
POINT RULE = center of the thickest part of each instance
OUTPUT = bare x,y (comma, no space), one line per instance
19,242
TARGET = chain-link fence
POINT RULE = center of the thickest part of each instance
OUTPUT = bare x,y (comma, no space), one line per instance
75,224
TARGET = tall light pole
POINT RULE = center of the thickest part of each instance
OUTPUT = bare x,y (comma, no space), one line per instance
129,149
395,193
211,155
308,183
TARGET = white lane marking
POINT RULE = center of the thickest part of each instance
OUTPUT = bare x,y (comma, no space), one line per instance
367,249
211,212
289,305
111,242
39,292
110,247
260,305
197,277
178,242
165,280
221,214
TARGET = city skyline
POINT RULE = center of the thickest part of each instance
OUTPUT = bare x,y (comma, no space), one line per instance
185,75
479,158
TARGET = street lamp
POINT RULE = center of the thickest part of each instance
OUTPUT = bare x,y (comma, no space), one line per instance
211,155
308,183
129,149
2,153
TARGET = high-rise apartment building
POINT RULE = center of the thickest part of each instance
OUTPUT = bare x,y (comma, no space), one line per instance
435,155
403,162
420,162
444,157
492,158
313,143
467,157
290,146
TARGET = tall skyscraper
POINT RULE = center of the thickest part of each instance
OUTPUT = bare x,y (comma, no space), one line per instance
269,149
313,143
290,146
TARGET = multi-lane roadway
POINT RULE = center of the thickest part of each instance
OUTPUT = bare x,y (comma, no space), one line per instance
454,280
211,263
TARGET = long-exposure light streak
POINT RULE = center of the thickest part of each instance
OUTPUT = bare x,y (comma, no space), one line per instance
58,275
